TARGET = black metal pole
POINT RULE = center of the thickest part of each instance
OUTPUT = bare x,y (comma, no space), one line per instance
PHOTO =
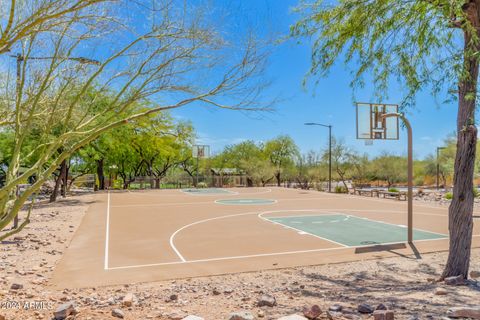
330,159
438,170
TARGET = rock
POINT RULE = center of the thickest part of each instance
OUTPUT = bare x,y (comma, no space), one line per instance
365,308
292,317
260,314
335,308
334,315
381,306
464,312
16,286
455,281
383,315
129,299
173,297
228,290
313,312
65,310
216,292
440,292
192,318
118,313
241,315
266,300
474,274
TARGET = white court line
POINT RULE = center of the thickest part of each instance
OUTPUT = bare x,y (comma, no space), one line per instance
338,213
172,237
107,231
260,215
160,204
228,192
273,201
262,255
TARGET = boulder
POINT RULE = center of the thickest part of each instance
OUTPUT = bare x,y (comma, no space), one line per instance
118,313
241,315
464,312
65,310
313,312
266,300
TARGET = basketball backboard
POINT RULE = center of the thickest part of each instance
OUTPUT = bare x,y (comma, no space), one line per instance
372,126
201,151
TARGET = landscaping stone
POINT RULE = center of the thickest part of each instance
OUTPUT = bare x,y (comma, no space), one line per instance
474,274
383,315
266,300
335,308
65,310
313,312
365,308
118,313
129,299
16,286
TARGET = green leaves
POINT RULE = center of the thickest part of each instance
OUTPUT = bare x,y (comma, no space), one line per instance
411,42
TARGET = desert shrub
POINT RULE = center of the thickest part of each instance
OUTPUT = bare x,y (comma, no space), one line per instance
340,189
392,190
449,196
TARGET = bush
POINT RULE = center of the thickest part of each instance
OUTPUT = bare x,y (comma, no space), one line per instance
449,196
202,185
340,189
393,190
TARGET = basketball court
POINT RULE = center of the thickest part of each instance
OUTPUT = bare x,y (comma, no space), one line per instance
142,236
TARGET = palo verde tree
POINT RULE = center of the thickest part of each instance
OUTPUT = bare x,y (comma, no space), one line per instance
163,65
282,152
425,45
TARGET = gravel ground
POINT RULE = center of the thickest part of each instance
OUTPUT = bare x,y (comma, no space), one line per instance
405,285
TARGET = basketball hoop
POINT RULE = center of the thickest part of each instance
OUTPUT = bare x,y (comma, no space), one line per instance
201,151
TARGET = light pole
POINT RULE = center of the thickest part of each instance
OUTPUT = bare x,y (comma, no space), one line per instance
329,150
438,166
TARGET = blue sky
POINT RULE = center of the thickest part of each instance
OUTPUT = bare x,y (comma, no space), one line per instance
329,102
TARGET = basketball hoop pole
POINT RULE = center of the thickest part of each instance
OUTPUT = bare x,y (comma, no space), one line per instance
410,171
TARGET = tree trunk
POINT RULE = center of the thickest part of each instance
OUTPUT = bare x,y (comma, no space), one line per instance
460,213
100,174
63,171
249,182
278,177
65,180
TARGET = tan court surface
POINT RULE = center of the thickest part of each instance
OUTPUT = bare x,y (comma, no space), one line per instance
141,236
